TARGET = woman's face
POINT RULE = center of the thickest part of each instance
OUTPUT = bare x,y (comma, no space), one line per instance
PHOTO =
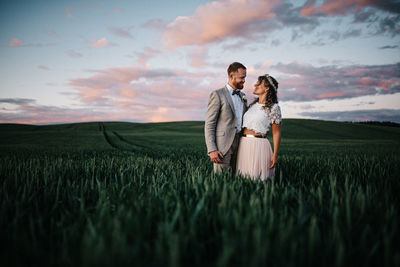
260,88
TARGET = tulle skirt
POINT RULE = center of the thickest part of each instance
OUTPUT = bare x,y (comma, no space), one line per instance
254,158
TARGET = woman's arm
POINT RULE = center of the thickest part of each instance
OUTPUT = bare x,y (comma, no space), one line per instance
276,135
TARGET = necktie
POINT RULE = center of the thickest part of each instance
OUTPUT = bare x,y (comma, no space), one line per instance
236,92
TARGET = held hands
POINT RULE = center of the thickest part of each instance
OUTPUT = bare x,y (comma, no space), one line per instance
274,161
216,156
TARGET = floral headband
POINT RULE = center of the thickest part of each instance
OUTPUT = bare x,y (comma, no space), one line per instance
270,81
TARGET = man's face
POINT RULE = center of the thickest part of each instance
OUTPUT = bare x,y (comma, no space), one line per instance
238,78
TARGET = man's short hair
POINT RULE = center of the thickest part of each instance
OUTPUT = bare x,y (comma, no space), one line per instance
235,66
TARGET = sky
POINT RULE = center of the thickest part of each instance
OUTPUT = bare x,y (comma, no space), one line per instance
157,61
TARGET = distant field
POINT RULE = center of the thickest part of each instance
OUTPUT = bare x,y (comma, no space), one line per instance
117,193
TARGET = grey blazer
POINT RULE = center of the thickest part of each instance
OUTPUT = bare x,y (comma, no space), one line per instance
220,126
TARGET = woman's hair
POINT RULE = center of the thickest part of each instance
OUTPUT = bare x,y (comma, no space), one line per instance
272,96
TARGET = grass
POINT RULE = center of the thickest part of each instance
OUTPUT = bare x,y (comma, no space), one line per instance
117,193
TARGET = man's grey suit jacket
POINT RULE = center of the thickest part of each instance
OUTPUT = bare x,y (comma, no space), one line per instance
220,126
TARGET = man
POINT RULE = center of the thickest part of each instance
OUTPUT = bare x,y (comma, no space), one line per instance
226,107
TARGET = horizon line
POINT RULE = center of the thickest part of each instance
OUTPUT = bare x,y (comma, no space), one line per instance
183,121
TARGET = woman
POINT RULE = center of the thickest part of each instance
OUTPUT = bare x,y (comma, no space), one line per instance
255,157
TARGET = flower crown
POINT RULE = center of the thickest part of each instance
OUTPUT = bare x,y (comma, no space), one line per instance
270,81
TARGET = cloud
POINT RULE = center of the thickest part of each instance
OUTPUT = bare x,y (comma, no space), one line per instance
389,47
73,53
216,21
15,42
148,94
389,24
392,115
39,45
306,106
365,103
17,101
50,32
303,82
352,33
69,11
275,42
290,16
198,57
103,42
334,7
102,88
364,11
113,81
123,94
156,24
328,36
43,67
117,10
28,111
143,94
365,16
146,55
256,20
236,45
121,32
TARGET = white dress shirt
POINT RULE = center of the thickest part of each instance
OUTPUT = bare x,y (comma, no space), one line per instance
238,105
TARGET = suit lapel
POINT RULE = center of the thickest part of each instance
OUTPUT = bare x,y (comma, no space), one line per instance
244,103
229,99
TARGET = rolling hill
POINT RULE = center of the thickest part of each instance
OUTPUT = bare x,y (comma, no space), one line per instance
131,136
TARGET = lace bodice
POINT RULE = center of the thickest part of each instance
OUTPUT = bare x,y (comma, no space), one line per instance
259,120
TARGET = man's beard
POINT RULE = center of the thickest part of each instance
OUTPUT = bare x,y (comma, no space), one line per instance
239,85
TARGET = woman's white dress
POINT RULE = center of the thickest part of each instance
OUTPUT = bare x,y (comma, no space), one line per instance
254,154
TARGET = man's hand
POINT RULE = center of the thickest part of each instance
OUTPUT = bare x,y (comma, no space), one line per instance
216,156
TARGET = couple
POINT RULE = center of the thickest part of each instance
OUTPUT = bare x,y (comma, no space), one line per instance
246,151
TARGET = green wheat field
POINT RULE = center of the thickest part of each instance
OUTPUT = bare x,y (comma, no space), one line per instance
132,194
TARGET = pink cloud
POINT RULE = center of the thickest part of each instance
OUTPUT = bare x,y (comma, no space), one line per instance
15,42
303,82
146,55
50,32
148,94
334,7
331,95
144,94
28,111
69,11
198,57
38,45
216,21
43,67
103,42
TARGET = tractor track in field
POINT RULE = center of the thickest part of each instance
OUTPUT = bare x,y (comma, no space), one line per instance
102,128
122,144
122,139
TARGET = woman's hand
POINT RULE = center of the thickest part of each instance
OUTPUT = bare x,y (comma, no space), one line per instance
276,135
274,161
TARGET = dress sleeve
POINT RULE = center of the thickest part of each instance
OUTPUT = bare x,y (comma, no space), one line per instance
275,115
